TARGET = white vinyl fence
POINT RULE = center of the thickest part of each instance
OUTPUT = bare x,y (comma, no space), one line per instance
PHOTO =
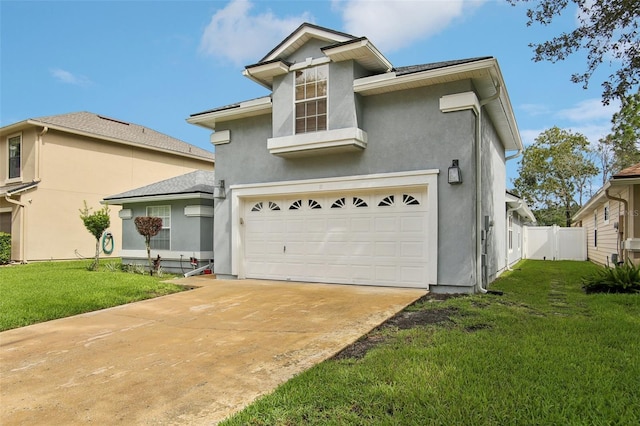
555,243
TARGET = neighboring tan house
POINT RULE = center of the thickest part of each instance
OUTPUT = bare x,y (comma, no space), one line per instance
50,165
349,171
185,204
518,215
612,219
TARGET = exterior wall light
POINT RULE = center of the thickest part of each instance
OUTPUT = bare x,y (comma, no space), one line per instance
454,176
218,190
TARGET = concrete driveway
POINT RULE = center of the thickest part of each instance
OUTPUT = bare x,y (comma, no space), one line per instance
189,358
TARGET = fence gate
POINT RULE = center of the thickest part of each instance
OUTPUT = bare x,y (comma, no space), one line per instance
555,243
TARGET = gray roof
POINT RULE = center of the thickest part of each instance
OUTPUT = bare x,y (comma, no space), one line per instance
198,182
435,65
101,126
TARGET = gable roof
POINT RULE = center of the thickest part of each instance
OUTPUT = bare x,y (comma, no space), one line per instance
197,184
114,130
300,36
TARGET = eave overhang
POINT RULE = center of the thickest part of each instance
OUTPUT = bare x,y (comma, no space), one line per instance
264,73
158,197
245,109
485,75
360,50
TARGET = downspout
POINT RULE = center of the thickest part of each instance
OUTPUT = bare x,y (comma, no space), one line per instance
626,220
479,275
23,225
38,145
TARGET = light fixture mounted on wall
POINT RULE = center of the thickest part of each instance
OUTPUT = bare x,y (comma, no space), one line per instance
219,191
454,176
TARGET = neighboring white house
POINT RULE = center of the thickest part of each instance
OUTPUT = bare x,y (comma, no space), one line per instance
356,171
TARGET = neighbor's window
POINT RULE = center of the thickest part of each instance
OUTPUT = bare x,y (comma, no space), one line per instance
162,241
15,148
311,99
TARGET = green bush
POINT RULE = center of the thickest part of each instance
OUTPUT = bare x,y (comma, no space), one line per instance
623,278
5,248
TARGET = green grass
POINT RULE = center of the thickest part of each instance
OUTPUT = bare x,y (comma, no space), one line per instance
44,291
544,353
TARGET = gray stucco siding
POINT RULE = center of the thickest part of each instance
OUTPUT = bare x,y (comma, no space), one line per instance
406,131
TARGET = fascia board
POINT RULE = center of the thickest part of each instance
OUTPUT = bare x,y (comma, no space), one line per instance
306,32
246,109
391,80
373,52
151,198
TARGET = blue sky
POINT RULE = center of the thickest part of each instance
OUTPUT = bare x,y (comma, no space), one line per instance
156,62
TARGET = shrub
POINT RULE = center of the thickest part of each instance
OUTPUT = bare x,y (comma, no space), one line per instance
5,248
623,278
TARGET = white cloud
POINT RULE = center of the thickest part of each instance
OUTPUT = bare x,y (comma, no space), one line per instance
534,109
394,24
590,110
236,35
70,78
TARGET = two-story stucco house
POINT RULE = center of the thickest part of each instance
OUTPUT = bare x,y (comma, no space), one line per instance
612,219
349,171
50,165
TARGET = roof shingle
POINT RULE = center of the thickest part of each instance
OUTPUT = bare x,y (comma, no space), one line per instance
199,181
631,171
106,127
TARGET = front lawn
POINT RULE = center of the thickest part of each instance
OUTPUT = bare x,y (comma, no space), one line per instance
543,353
48,290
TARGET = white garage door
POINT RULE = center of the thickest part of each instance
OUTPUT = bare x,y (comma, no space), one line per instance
358,237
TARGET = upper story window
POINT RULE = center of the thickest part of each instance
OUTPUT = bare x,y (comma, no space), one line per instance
311,99
15,153
162,241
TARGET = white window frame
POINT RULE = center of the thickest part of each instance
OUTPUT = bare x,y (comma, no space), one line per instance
9,177
154,211
306,99
607,213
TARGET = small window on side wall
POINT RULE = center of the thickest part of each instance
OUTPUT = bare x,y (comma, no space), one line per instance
15,155
162,241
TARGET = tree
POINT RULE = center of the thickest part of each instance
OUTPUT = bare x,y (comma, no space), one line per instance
96,223
554,172
624,139
607,30
148,227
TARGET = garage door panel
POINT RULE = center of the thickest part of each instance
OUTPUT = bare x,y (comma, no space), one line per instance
363,238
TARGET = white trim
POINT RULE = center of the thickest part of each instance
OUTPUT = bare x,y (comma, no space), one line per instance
309,62
340,139
6,209
168,197
198,211
250,108
304,33
419,178
221,137
606,213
